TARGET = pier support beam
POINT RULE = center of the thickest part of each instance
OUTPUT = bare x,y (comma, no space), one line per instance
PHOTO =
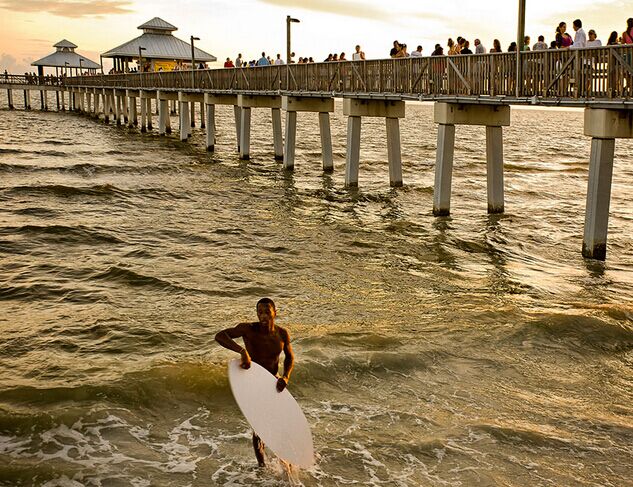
10,98
291,140
237,113
494,169
96,107
202,116
62,96
493,117
165,98
443,169
106,105
246,103
186,101
603,126
352,157
210,101
392,111
27,100
145,99
150,113
245,133
193,115
278,138
321,105
131,96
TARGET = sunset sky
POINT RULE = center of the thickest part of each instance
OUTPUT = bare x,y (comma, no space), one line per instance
29,28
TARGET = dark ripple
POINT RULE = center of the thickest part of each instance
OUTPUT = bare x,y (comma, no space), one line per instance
63,191
46,292
62,234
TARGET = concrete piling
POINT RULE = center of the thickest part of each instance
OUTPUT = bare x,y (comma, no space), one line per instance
603,126
392,111
493,117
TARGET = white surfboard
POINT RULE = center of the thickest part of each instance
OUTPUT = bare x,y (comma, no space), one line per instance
274,416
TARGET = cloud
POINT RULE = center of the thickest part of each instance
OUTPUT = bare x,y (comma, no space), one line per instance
72,9
338,7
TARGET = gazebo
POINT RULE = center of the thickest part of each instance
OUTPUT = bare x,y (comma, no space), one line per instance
157,50
64,60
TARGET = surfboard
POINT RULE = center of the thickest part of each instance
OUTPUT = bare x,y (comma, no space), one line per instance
274,416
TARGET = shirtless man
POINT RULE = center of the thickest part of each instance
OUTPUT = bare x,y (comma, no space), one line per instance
264,342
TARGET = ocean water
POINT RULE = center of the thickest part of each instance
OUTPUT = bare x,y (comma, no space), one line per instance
458,351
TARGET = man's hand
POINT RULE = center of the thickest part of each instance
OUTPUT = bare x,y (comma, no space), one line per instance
246,359
282,382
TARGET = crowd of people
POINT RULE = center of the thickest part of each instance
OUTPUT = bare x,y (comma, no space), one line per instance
562,40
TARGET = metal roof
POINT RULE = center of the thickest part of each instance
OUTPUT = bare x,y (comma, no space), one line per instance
159,46
158,24
67,59
65,43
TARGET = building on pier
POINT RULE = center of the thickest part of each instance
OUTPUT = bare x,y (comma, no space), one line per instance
157,49
65,60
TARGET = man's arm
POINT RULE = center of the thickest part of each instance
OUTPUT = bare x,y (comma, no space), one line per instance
226,339
289,362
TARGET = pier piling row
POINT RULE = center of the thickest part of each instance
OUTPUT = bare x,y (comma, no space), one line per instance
493,117
603,125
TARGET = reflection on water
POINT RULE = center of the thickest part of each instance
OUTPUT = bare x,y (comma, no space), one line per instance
472,349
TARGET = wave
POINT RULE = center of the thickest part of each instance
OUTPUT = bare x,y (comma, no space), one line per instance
151,389
62,234
581,333
60,190
39,291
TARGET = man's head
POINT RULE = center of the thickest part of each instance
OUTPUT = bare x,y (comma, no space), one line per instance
541,38
263,54
396,44
577,24
592,35
477,42
419,49
266,311
357,48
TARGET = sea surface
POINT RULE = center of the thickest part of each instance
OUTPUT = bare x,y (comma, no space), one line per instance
470,350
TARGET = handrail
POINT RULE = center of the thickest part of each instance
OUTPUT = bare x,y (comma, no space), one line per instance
596,73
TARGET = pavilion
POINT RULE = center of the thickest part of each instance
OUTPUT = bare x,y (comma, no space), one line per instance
157,49
64,60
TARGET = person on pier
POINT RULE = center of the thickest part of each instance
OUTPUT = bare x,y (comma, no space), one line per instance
541,45
358,54
627,35
593,39
263,343
580,38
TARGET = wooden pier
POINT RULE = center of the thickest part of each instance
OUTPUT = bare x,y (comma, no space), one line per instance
467,90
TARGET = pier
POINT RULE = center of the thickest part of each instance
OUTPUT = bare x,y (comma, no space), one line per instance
466,90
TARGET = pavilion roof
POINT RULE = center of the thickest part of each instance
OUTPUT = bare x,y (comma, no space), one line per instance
67,59
158,24
65,43
159,46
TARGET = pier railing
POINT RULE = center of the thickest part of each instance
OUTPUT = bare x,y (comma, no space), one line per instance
604,73
30,79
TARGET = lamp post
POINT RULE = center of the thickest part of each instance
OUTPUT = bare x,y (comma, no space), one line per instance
80,66
140,58
289,20
66,64
193,61
520,44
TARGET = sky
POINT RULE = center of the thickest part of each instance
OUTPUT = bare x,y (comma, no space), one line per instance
29,28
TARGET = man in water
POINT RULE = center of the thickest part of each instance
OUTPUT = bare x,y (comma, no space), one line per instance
263,343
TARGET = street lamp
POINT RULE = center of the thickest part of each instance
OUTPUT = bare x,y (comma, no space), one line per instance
66,64
193,61
289,20
140,58
80,66
520,44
